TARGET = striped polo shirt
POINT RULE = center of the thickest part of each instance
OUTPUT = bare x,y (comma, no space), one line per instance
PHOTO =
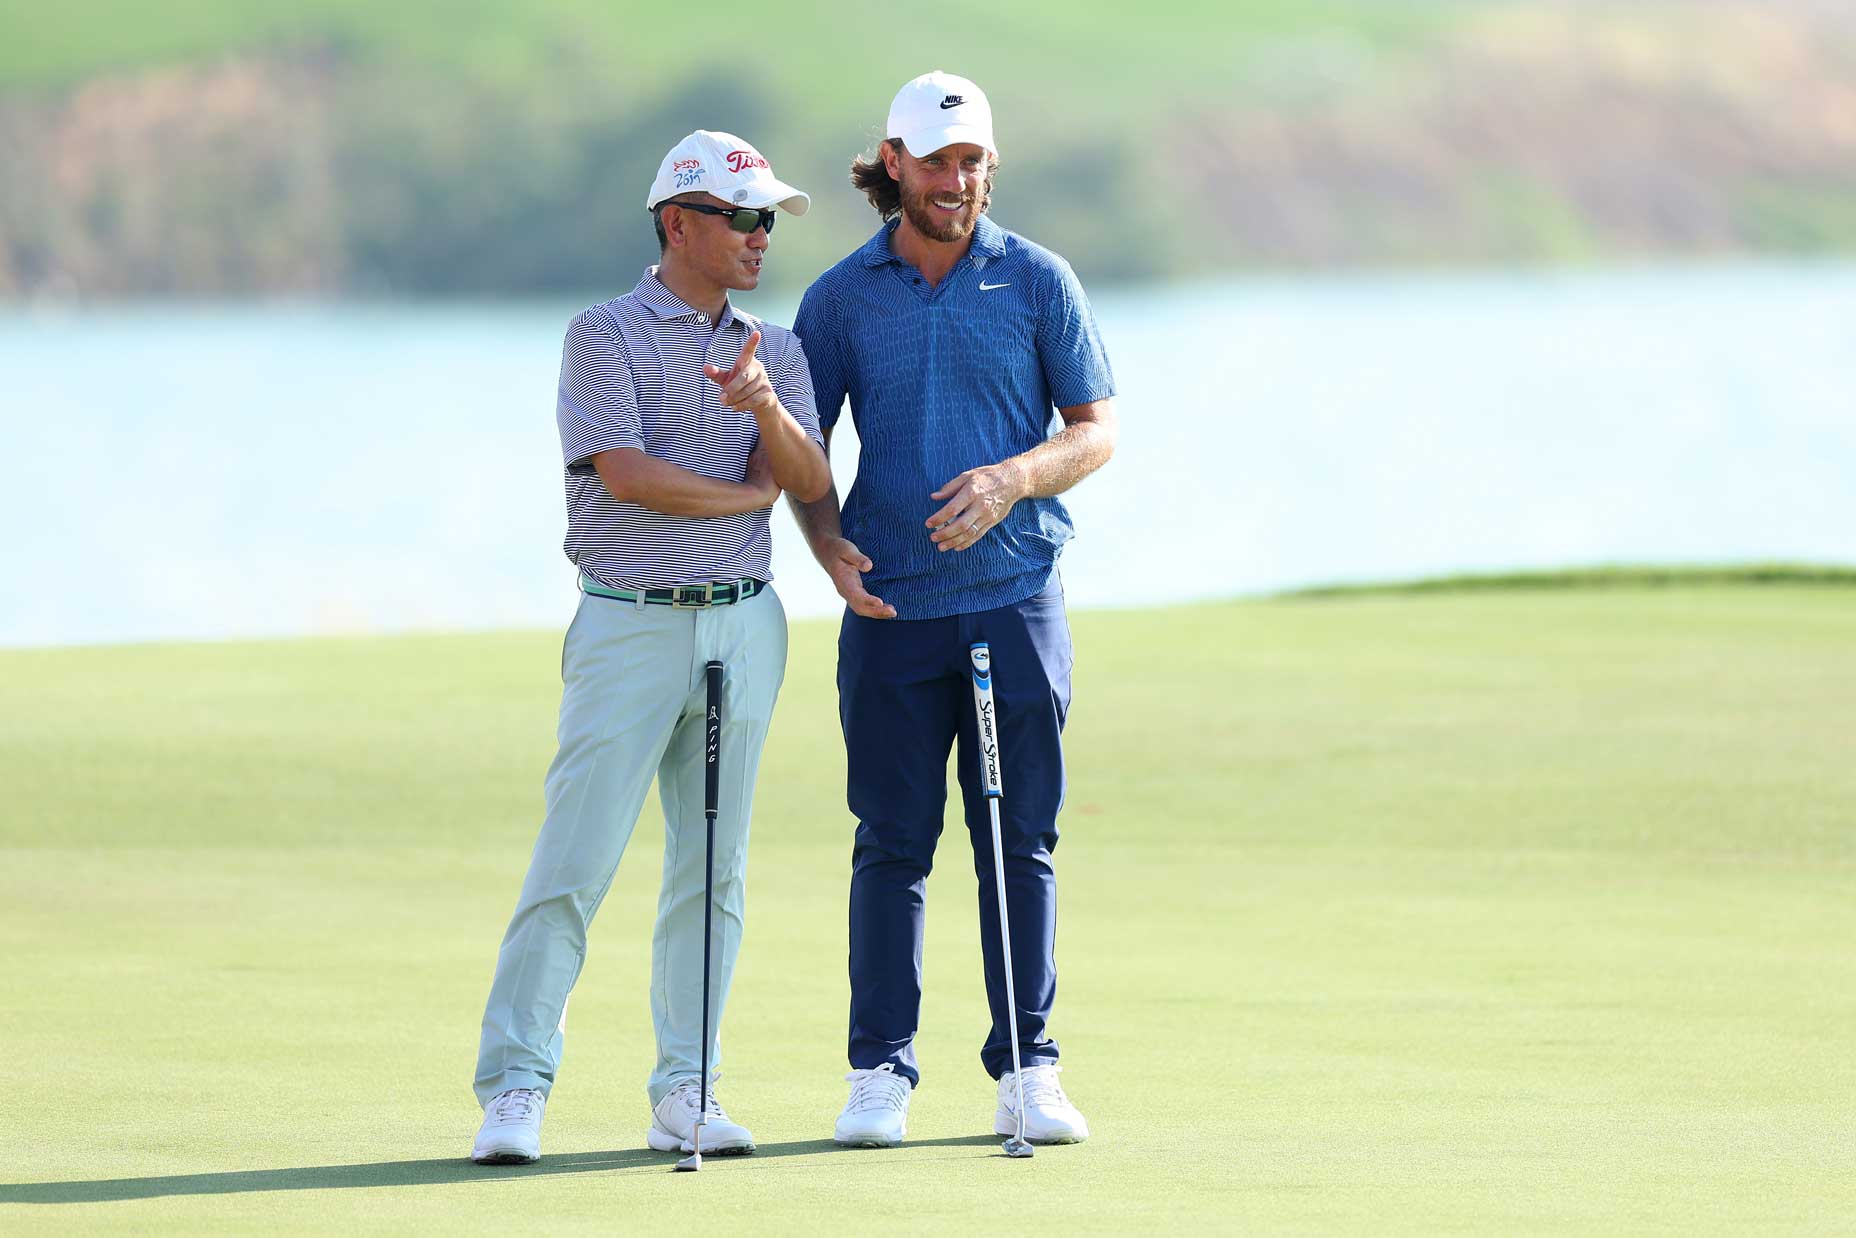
631,376
943,379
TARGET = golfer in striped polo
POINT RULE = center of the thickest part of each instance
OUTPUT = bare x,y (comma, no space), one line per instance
681,420
958,346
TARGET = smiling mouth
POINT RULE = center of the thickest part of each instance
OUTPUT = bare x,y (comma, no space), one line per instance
949,204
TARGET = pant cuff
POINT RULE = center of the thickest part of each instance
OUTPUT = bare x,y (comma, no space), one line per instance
486,1092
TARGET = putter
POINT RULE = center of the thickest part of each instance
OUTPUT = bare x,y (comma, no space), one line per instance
711,783
981,655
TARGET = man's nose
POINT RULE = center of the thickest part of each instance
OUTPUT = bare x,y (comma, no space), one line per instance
757,239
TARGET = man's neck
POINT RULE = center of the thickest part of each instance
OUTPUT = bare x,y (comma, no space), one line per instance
694,291
934,259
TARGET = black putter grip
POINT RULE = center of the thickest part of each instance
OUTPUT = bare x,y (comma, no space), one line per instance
712,741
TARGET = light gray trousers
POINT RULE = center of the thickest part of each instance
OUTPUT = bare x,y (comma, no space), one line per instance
632,705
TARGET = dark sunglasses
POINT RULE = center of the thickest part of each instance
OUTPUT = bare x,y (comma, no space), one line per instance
741,219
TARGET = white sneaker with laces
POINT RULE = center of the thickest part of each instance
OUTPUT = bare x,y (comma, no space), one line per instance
876,1115
673,1122
511,1130
1049,1115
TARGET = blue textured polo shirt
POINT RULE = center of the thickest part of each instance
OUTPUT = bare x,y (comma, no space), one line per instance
631,376
941,380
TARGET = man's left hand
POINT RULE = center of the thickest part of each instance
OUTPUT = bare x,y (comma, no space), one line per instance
977,500
746,386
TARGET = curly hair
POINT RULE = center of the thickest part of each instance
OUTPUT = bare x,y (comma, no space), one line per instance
874,181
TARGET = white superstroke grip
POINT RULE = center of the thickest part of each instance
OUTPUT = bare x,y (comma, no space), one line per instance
981,657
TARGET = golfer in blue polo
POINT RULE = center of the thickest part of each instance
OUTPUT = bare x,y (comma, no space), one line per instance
954,341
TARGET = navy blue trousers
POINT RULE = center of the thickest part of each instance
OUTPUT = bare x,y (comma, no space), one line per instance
905,694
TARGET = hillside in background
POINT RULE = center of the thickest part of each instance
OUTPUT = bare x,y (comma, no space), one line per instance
216,149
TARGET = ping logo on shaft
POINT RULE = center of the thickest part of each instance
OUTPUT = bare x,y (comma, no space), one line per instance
714,736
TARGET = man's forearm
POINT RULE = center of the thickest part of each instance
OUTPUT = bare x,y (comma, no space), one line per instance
799,467
819,521
1065,458
634,476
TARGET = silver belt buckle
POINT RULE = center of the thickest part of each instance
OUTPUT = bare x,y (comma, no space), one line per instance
692,597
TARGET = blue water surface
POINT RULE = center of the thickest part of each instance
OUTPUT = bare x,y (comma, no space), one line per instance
217,471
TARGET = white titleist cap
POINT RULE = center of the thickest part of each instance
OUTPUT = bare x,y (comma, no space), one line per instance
722,164
938,109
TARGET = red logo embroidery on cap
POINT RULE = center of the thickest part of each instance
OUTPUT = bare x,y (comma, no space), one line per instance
739,159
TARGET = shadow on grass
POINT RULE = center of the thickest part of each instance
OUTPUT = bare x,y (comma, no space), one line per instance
439,1172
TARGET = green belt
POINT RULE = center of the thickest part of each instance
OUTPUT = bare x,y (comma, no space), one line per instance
684,597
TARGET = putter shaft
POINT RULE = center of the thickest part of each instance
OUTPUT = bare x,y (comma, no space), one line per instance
990,760
712,759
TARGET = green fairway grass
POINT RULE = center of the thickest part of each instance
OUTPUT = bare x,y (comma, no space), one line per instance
1489,912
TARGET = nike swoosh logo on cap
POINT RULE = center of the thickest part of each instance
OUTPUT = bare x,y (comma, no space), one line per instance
986,287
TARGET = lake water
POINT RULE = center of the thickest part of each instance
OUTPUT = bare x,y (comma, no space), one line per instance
206,472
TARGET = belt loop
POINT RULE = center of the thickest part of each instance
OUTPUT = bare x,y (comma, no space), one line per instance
638,600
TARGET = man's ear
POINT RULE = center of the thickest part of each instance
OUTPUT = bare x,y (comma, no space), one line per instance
892,161
676,226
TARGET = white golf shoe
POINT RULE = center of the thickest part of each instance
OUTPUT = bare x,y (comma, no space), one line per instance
1049,1115
674,1120
877,1113
511,1130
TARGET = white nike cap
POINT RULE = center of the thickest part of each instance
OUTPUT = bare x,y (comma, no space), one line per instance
708,161
938,109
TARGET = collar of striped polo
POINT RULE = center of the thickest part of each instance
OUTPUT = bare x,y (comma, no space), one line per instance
988,243
667,304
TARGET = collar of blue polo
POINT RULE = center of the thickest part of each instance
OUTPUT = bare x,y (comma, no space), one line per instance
988,242
667,304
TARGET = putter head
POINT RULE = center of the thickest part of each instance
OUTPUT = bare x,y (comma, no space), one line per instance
1017,1148
692,1162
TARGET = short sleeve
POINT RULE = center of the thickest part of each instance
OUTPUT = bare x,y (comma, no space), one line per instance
792,382
1070,346
595,407
822,347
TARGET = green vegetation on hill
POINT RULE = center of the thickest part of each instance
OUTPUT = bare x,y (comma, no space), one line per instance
1486,913
834,51
1615,577
436,149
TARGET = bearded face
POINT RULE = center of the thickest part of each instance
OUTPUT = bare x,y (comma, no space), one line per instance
943,194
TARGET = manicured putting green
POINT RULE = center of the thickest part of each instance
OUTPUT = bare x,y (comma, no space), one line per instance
1483,913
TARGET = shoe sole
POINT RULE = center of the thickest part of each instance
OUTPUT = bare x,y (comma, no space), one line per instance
499,1156
664,1141
868,1141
